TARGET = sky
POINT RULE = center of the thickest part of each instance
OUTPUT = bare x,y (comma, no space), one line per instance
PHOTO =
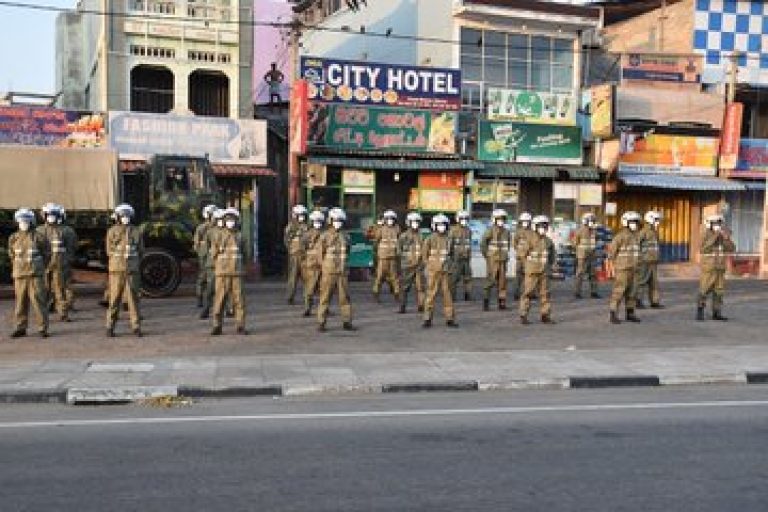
28,48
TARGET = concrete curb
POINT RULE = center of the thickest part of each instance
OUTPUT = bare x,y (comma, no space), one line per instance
128,394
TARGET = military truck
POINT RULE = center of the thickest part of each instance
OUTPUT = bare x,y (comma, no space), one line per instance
167,192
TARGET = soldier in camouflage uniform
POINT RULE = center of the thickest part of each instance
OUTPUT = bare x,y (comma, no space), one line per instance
334,250
438,256
293,233
495,246
386,269
648,269
409,249
62,246
125,248
374,237
716,244
228,254
585,242
624,251
216,227
70,235
201,248
521,235
29,253
462,243
538,255
313,264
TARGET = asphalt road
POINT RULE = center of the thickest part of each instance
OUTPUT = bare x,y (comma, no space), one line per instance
698,449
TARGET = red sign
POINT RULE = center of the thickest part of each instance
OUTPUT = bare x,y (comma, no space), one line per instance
729,148
299,117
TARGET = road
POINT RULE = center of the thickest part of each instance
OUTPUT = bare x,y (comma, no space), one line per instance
680,449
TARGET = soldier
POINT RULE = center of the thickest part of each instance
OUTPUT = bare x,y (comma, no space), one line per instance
104,302
715,245
409,249
227,253
538,255
312,261
216,227
624,251
585,241
125,247
386,269
495,246
29,253
462,243
334,250
374,237
293,233
62,245
438,254
201,248
521,233
647,270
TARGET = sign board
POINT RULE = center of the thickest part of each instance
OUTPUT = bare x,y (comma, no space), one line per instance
223,140
375,128
531,106
590,194
668,153
47,126
529,143
496,191
299,119
753,159
601,111
731,135
441,200
355,178
661,68
386,85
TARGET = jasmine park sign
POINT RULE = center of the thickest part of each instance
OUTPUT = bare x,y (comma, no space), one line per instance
529,143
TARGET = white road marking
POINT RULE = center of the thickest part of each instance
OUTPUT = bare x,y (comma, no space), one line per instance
386,414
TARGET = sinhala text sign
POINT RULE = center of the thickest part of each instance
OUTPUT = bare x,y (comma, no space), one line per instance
529,143
223,140
386,85
47,126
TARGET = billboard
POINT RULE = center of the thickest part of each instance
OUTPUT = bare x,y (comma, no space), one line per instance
386,85
223,140
299,119
661,68
47,126
729,152
677,154
531,106
529,143
601,110
753,159
380,129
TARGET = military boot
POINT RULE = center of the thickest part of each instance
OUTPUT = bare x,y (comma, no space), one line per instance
577,295
308,308
242,331
19,333
718,315
137,332
427,324
700,314
594,295
216,331
111,332
403,302
631,317
524,320
657,305
321,327
467,297
452,324
615,318
547,319
486,305
205,313
502,304
347,326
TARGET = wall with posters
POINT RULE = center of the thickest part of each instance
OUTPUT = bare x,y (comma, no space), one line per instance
223,140
753,159
686,155
529,143
531,106
46,126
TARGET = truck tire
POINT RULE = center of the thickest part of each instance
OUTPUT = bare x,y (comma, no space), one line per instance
160,273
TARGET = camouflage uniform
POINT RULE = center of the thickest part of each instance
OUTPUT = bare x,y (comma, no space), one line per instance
313,263
585,241
520,238
334,249
462,243
210,270
625,253
538,255
29,253
59,270
715,246
437,255
495,246
409,249
125,247
648,267
70,235
293,233
201,248
227,255
386,269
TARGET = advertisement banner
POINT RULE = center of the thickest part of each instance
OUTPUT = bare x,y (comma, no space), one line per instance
677,154
47,126
753,159
223,140
529,143
372,128
731,135
299,120
601,111
386,85
531,106
661,68
441,200
496,191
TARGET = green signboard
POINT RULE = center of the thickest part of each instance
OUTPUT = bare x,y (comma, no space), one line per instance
375,128
529,143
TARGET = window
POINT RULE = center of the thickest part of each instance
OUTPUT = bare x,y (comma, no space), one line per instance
205,56
515,61
332,6
152,51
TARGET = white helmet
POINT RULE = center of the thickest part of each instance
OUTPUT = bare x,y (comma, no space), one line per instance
629,217
499,213
440,219
541,219
299,209
50,208
713,219
24,215
317,216
208,211
462,214
389,214
62,213
525,217
587,218
232,212
337,214
413,217
124,210
652,216
218,213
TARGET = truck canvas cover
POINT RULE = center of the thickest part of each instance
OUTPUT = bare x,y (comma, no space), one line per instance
78,179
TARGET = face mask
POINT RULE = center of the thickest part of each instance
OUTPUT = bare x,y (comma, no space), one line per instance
656,224
220,223
302,218
379,222
525,224
441,228
231,224
591,224
633,226
542,231
415,225
464,222
390,222
125,220
51,219
500,223
337,224
24,226
317,225
717,228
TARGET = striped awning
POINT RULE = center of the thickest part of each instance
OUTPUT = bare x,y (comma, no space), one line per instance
238,170
398,164
676,182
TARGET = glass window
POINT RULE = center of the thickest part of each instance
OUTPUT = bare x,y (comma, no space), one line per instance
540,76
472,68
518,47
359,209
517,74
563,52
541,49
469,41
495,72
562,77
325,197
495,44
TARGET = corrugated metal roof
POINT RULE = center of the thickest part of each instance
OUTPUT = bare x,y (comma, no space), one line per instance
514,170
405,164
676,182
583,173
237,170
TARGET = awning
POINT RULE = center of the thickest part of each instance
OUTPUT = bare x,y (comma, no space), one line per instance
513,170
754,185
238,170
131,165
676,182
583,173
404,164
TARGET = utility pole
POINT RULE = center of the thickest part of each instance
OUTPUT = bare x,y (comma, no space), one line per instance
733,76
294,168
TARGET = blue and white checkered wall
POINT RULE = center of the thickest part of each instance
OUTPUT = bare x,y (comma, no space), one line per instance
722,27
